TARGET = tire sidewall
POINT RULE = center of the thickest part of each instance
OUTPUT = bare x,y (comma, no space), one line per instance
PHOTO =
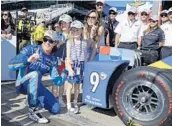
147,74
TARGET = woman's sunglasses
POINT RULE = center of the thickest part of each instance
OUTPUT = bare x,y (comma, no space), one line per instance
45,39
5,14
163,15
153,21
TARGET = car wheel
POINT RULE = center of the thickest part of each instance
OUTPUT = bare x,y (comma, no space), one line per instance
143,97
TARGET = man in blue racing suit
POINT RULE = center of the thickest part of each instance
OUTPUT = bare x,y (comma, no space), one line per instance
33,62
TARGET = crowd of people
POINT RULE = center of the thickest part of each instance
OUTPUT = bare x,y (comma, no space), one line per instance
62,49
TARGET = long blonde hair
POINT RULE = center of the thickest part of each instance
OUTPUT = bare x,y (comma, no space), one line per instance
148,30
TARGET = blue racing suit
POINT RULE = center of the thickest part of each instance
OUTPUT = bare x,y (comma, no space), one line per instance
30,75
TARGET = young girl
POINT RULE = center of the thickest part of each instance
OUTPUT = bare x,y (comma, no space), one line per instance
62,35
75,59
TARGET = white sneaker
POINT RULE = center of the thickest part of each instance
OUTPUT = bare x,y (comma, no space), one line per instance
61,102
71,110
36,116
76,107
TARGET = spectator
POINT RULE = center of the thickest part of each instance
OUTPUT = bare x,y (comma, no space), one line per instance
111,26
36,59
75,59
39,32
128,31
144,24
167,28
93,33
64,21
100,7
24,26
164,16
153,38
7,25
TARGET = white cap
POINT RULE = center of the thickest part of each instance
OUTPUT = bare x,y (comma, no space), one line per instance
164,11
102,1
170,9
144,10
132,9
113,9
66,18
52,34
154,17
77,24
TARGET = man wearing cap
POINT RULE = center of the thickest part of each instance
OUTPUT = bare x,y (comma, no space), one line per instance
167,28
128,31
100,6
152,40
111,26
164,16
24,29
144,14
33,62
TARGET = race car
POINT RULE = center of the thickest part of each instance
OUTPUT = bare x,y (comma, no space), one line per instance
140,95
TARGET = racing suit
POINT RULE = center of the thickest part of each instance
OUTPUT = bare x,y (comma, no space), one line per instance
30,75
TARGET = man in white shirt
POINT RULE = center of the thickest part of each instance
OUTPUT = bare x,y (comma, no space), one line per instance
144,15
164,16
167,28
128,31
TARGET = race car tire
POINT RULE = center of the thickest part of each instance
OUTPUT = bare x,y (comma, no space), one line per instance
143,97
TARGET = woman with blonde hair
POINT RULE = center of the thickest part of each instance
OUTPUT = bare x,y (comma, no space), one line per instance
152,39
93,33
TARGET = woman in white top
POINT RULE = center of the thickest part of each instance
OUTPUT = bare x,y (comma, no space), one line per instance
93,33
76,55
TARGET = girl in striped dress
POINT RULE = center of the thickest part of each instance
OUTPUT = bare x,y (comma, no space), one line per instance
76,56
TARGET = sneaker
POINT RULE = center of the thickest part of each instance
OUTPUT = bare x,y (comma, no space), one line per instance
76,107
71,110
61,102
36,116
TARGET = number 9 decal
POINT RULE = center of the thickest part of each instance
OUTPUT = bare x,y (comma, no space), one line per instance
94,80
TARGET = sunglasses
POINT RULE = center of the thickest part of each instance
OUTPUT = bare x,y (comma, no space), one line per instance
99,4
45,39
152,21
5,14
113,13
89,17
144,14
163,15
131,13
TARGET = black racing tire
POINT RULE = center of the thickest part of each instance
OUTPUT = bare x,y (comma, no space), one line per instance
143,97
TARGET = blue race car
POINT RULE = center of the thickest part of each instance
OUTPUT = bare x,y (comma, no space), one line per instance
141,96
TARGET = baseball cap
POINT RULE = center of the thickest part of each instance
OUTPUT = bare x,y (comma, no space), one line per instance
102,1
170,10
164,11
77,24
132,9
66,18
113,9
144,10
24,8
154,17
52,34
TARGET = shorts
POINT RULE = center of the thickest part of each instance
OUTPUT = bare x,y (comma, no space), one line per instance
79,75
